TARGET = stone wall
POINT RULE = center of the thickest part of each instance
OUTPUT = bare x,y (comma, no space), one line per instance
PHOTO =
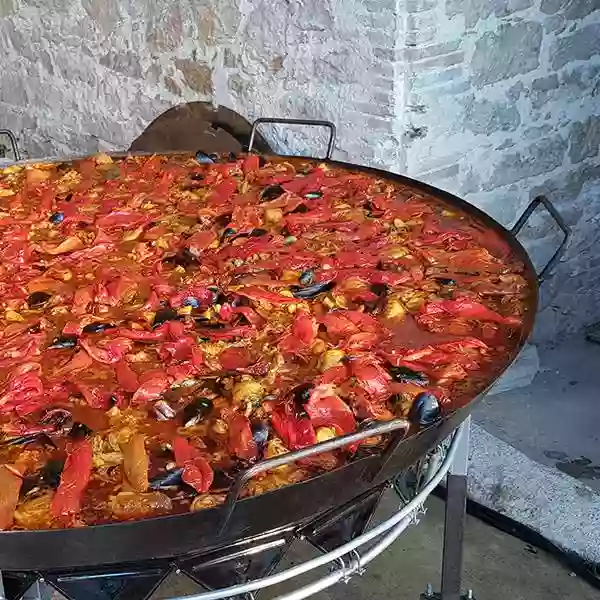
495,100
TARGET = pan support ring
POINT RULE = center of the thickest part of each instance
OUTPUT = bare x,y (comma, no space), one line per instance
345,537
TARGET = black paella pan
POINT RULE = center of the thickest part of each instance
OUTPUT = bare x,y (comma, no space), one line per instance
241,518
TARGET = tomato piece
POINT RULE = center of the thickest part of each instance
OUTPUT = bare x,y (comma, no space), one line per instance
196,470
296,432
241,442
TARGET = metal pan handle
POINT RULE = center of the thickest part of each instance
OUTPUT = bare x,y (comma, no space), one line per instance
284,459
518,226
13,142
308,122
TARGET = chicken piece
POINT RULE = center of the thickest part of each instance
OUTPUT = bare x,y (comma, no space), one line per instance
132,505
136,462
10,485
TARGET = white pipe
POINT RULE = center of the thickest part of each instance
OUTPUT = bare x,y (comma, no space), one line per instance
346,548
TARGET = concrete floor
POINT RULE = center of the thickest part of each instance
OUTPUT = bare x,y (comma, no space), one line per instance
555,420
497,567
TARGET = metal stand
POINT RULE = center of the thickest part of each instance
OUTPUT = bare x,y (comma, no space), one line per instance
454,525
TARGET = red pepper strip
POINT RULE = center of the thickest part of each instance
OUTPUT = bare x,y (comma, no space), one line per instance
200,241
223,191
125,219
241,442
151,388
335,375
371,376
232,359
256,293
141,335
196,470
73,480
10,486
468,309
251,163
330,410
243,331
294,431
301,185
126,377
94,396
110,353
361,341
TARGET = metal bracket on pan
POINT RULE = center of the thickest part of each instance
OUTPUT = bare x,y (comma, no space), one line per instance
13,142
518,226
327,446
308,122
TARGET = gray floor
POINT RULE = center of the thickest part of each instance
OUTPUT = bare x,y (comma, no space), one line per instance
554,421
497,567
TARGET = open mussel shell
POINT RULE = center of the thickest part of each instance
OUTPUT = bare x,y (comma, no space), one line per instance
47,477
64,342
404,374
196,411
203,157
260,432
425,409
38,299
167,479
311,291
271,193
98,327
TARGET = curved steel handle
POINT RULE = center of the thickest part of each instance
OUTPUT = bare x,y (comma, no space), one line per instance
327,446
518,226
13,142
308,122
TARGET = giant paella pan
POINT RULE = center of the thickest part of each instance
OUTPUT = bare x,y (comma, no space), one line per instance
195,348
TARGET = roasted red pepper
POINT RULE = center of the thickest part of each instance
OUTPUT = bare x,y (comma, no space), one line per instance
196,470
73,480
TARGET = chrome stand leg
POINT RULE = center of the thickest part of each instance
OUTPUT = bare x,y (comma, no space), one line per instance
456,500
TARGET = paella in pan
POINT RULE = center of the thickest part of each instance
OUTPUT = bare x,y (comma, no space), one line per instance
168,320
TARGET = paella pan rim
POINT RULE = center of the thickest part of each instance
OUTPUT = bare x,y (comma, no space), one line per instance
158,537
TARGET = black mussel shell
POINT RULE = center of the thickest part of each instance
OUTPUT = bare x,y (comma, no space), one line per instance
203,157
79,431
313,195
271,193
170,478
258,232
183,258
22,440
197,176
223,220
379,289
311,291
301,395
307,277
98,327
260,432
301,209
38,299
229,232
51,471
196,411
425,409
163,315
63,342
406,374
445,281
222,480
